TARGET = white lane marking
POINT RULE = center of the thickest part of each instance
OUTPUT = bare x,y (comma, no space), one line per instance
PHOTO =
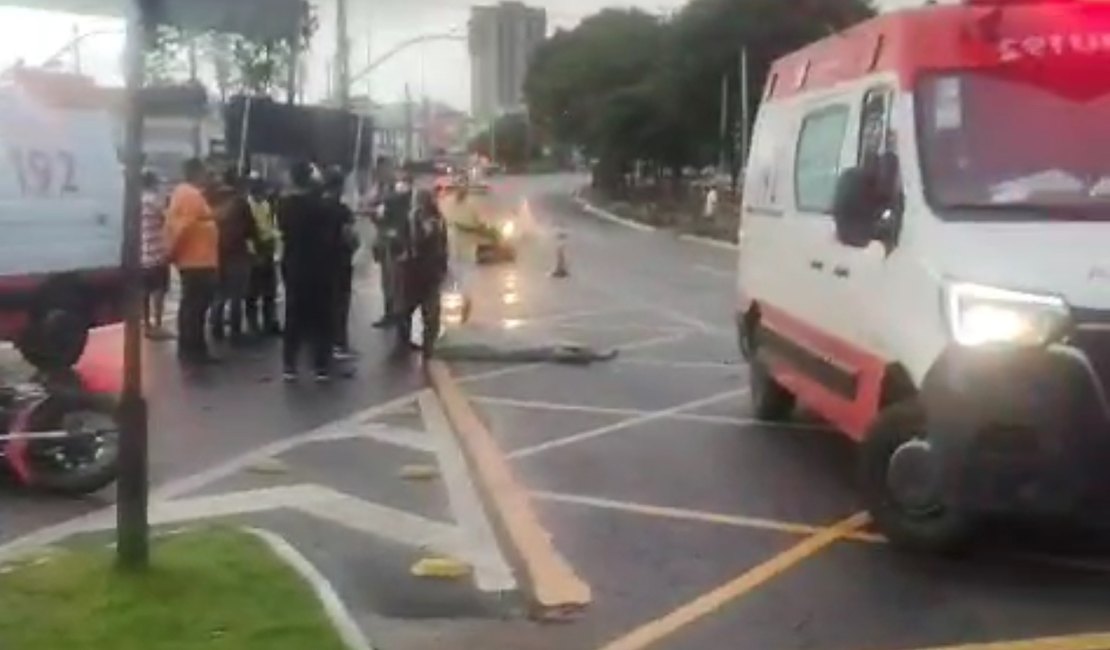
348,427
244,502
624,424
491,570
380,521
172,489
715,272
604,410
612,218
316,500
655,306
408,438
737,366
708,241
341,619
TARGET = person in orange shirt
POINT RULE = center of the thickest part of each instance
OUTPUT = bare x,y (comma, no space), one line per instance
193,242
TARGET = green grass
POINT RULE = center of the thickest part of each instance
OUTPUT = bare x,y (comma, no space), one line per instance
216,589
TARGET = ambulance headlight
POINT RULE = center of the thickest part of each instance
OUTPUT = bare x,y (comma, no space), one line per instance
508,230
980,315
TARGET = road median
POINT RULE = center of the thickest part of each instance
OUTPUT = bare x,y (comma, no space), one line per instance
549,582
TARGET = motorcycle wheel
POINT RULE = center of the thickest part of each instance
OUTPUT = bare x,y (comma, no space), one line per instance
85,461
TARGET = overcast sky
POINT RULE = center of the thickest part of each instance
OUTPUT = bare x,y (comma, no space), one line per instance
439,69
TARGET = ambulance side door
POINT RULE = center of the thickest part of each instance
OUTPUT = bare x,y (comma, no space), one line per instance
859,273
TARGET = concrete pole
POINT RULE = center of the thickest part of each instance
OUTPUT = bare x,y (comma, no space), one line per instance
342,56
132,524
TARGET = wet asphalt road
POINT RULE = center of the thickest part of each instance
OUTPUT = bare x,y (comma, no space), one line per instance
198,419
697,527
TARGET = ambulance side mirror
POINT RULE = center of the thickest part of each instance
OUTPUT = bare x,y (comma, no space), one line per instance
856,208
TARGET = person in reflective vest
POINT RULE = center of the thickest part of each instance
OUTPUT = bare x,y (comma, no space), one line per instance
262,301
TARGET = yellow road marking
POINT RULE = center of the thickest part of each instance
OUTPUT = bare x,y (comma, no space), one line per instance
660,628
553,582
668,512
1099,641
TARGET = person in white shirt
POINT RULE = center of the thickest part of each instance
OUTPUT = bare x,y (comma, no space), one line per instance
155,258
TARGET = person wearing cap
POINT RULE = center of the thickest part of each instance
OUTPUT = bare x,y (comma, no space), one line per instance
262,297
310,244
155,258
348,243
192,240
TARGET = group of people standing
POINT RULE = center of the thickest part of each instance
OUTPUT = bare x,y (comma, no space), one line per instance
233,241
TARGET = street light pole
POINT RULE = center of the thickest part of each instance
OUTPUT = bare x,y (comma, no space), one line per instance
132,526
343,56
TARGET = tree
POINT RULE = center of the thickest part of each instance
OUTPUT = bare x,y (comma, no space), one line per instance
517,142
629,87
242,65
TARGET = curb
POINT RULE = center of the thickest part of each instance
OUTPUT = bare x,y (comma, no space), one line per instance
345,626
547,579
609,216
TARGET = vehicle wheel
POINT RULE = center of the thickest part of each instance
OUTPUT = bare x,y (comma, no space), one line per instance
770,401
82,464
56,336
900,479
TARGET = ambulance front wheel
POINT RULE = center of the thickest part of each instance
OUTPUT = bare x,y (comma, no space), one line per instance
901,482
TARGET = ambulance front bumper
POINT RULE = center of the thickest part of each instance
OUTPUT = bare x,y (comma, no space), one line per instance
1023,430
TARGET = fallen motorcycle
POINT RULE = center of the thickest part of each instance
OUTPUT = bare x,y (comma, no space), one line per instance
57,435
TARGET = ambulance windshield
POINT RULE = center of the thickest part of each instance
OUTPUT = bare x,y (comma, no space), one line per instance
1006,147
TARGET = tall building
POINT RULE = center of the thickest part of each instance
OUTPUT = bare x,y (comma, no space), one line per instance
502,39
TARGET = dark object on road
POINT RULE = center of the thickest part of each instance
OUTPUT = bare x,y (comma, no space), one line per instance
564,354
58,436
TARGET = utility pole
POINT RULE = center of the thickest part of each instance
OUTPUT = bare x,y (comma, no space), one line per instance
76,49
195,81
132,525
722,158
342,56
408,124
743,133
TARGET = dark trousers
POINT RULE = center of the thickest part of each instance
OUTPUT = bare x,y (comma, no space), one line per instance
227,310
262,298
342,313
427,300
308,321
198,287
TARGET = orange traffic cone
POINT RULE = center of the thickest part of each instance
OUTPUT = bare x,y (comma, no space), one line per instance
561,270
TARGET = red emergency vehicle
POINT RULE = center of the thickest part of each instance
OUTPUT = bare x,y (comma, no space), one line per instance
925,258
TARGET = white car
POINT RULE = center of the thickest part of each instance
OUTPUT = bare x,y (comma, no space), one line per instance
61,193
925,259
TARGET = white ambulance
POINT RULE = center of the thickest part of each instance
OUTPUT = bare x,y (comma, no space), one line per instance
925,258
60,217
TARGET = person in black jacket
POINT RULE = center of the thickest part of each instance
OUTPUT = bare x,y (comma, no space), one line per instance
311,239
344,261
423,269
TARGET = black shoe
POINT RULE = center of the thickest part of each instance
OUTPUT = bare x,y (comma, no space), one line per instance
382,323
322,377
289,375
